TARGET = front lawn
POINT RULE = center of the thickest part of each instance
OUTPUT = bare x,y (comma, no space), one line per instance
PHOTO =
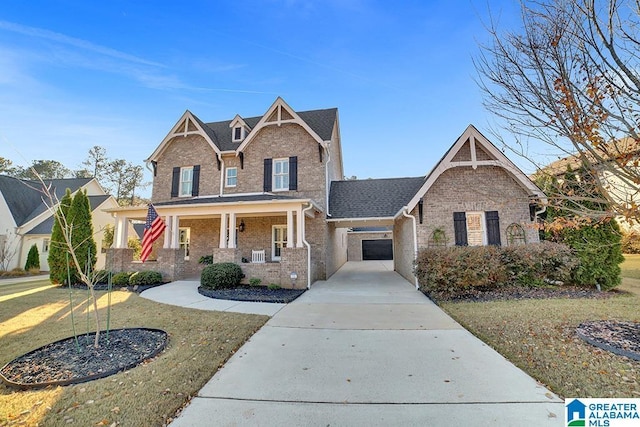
149,395
631,266
539,337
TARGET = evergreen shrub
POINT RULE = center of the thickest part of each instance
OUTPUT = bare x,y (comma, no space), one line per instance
221,275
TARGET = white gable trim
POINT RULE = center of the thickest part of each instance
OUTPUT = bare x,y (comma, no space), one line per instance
277,107
34,222
181,128
475,139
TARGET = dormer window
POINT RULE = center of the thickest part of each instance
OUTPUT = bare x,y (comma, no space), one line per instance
238,133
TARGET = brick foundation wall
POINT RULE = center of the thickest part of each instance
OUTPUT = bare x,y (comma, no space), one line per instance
403,248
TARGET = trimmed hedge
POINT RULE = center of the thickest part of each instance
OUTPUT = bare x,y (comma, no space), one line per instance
221,275
143,278
456,272
121,279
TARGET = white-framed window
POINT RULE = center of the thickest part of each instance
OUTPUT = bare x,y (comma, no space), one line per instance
238,133
280,174
279,241
184,239
476,233
186,181
231,179
45,246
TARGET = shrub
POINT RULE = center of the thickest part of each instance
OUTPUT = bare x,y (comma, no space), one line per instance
206,260
539,264
121,279
254,281
221,275
144,278
273,286
459,271
102,276
456,272
33,259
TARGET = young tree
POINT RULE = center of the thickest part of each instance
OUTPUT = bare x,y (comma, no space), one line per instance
8,249
33,259
59,263
569,78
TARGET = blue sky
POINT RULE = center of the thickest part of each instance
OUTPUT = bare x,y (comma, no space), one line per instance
119,74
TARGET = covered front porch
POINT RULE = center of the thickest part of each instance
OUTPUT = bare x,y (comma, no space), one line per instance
266,237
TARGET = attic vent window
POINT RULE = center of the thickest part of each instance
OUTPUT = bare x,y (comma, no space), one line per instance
238,133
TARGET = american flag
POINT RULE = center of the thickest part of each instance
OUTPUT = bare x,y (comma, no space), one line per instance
153,228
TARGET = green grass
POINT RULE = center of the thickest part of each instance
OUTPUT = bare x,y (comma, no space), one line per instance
34,314
539,337
631,266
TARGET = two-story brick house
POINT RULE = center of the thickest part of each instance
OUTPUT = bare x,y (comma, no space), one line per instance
248,190
268,193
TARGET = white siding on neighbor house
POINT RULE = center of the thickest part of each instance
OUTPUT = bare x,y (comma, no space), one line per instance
7,229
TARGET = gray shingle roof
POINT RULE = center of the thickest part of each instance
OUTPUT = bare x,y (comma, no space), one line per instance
371,198
46,226
227,199
25,197
321,121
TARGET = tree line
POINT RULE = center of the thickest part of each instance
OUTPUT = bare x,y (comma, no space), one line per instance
122,179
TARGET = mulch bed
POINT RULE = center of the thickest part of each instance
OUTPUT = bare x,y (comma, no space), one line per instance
621,338
253,294
519,293
105,287
65,362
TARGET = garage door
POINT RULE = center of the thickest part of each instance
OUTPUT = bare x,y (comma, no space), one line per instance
377,249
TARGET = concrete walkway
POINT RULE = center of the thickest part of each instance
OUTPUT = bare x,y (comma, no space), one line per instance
185,294
365,348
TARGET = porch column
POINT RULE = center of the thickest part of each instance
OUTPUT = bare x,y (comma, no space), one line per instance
290,228
223,230
167,232
232,230
299,230
175,232
121,232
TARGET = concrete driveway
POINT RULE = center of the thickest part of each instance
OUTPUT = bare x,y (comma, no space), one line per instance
366,348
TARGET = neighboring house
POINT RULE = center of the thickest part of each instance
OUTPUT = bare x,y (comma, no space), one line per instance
268,193
611,157
26,220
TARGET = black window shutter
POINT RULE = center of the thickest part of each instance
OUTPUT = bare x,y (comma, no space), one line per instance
320,151
241,155
175,182
493,227
293,173
268,164
460,228
195,185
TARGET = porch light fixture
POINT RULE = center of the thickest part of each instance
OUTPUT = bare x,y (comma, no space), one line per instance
241,226
293,276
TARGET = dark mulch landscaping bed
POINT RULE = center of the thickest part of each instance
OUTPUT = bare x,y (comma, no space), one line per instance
621,338
253,294
104,287
60,363
518,293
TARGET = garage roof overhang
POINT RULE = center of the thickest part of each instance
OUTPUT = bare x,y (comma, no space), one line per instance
361,222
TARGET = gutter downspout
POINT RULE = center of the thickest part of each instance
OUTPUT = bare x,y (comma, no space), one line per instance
304,241
222,172
327,181
405,212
